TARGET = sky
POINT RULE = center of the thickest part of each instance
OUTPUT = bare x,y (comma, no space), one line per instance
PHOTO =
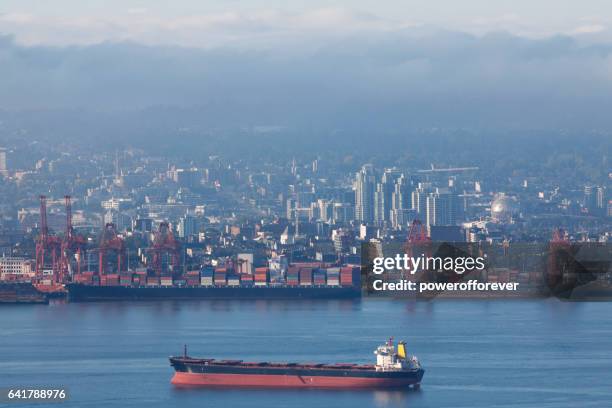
467,63
222,22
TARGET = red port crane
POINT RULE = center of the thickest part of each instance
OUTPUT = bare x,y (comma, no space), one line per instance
73,245
48,247
111,241
417,234
559,247
164,243
418,242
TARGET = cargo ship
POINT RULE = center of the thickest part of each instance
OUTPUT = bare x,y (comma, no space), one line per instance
394,368
303,281
21,292
78,292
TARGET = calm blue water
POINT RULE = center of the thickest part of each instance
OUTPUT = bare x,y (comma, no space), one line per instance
476,353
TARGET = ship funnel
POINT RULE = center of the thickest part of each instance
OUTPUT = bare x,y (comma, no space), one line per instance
401,350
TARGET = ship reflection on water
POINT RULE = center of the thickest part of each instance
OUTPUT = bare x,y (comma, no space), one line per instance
394,398
283,398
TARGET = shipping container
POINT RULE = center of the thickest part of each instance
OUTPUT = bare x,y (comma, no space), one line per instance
333,271
262,275
207,271
192,274
349,276
153,281
233,280
306,276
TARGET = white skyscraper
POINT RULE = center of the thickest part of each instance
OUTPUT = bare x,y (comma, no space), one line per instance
365,183
3,167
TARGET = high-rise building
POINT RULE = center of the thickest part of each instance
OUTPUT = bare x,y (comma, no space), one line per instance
187,226
388,183
419,199
595,200
324,208
3,166
342,213
142,224
441,207
291,204
380,204
401,218
122,221
365,182
401,197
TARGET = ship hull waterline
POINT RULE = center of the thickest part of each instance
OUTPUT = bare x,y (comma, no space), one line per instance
91,293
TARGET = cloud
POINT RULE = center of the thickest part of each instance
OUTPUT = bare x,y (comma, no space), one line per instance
259,28
589,29
398,78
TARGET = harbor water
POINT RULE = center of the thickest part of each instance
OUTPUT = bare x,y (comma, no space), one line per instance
537,353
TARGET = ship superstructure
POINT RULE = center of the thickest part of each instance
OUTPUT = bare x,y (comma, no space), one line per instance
390,359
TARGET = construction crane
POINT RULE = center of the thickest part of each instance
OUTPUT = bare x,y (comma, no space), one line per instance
164,243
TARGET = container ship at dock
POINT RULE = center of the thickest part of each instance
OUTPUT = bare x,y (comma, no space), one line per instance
394,368
299,282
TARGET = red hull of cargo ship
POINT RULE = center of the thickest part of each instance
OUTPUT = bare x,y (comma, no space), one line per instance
284,381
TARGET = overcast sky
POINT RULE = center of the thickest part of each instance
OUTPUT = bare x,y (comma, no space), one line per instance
215,22
538,63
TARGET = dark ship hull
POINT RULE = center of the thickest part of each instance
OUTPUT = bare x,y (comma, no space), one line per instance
83,293
21,292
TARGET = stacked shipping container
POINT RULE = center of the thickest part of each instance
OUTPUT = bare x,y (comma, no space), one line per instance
348,275
206,276
319,278
333,276
305,276
261,276
301,274
293,276
246,279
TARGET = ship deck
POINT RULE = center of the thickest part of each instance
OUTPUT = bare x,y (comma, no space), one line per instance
246,364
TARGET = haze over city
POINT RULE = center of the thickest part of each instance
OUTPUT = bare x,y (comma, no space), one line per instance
319,65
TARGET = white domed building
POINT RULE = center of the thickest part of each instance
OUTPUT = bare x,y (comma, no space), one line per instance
504,209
